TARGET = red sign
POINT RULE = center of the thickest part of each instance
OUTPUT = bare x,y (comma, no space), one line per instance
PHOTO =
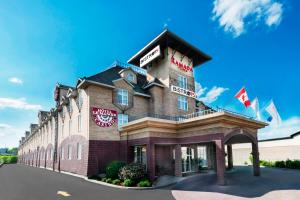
181,66
104,117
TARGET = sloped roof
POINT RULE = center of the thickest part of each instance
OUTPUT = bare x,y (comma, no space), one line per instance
168,38
108,76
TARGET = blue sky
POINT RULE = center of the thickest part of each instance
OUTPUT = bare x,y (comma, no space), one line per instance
253,44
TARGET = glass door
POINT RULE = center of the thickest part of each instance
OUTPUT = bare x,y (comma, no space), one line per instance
187,159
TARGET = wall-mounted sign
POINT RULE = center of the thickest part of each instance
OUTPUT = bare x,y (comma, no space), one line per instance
181,66
104,117
154,53
183,91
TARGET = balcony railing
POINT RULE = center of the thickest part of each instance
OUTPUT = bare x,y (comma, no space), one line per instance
179,118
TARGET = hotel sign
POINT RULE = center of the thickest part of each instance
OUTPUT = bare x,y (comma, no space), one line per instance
154,53
104,117
181,66
183,91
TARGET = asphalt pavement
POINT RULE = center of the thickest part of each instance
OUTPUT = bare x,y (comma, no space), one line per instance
20,182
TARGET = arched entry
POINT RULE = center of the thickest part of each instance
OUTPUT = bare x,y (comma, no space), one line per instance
241,136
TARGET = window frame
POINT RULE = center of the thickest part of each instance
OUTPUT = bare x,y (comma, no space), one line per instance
122,96
121,120
131,79
79,150
182,82
182,103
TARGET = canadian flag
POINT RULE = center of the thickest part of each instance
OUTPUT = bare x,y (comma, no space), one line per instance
243,97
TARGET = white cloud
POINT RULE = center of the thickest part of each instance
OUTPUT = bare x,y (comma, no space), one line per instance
15,80
234,15
199,89
20,103
9,135
213,94
287,127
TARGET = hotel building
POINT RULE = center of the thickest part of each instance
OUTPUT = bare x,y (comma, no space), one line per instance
140,111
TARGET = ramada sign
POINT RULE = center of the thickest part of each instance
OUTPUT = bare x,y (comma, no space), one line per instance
180,65
104,117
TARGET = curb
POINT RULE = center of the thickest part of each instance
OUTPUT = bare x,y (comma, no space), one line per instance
118,186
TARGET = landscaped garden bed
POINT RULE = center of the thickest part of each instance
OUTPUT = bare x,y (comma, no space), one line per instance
119,174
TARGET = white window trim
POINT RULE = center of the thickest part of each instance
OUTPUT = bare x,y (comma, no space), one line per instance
79,151
181,103
123,93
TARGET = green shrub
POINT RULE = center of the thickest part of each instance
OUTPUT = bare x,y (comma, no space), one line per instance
251,158
103,179
133,171
108,180
144,183
289,164
9,159
128,182
280,164
116,182
113,168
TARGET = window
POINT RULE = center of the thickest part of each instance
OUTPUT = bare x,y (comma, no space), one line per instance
62,130
122,97
122,119
79,123
182,82
70,126
130,77
140,155
69,152
202,156
79,151
182,103
62,153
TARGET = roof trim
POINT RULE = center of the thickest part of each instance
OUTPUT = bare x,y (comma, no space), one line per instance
281,138
165,32
152,84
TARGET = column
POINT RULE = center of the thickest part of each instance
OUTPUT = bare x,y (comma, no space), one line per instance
151,160
229,156
255,154
178,162
220,158
196,160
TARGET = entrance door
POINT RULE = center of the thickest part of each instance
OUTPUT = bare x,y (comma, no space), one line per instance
188,156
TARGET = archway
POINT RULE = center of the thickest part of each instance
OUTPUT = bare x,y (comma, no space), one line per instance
238,137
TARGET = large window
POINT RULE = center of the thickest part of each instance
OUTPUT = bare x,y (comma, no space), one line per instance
182,103
130,77
62,153
140,155
79,149
69,152
79,123
202,156
122,119
182,81
122,97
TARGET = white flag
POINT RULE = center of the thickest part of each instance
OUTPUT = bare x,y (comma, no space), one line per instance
275,117
255,106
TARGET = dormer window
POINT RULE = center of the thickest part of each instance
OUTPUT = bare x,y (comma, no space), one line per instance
130,77
122,97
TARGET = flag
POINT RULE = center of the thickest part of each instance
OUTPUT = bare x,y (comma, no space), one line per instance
243,97
271,109
255,106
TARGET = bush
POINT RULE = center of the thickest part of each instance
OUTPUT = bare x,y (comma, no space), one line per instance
280,164
128,182
134,172
9,159
144,183
113,168
103,179
108,180
116,182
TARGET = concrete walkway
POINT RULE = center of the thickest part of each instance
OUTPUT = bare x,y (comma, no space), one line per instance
241,184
